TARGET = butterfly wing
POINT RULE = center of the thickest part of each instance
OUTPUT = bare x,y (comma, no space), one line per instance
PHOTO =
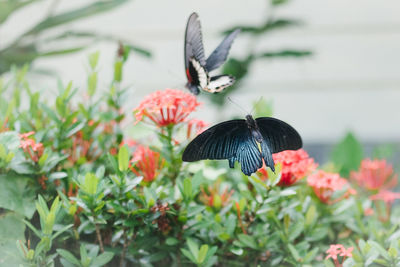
277,136
219,83
220,54
230,140
193,42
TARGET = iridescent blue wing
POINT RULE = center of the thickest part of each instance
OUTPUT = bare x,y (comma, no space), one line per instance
220,54
193,42
277,136
230,140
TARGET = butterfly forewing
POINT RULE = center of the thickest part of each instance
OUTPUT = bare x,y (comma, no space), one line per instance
278,134
220,54
218,142
193,41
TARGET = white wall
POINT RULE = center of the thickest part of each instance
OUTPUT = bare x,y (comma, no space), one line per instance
352,81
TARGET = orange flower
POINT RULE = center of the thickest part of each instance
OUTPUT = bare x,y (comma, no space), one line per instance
29,145
296,164
166,107
339,250
146,163
325,184
198,126
213,198
374,175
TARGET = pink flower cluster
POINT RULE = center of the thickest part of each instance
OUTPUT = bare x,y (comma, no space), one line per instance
296,164
166,107
146,163
338,250
29,145
325,184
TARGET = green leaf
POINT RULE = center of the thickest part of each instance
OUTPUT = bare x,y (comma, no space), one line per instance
347,155
188,255
294,252
285,54
92,83
248,241
94,59
11,230
16,195
193,247
68,256
171,241
187,188
380,249
202,254
90,184
79,13
8,7
103,259
10,140
123,158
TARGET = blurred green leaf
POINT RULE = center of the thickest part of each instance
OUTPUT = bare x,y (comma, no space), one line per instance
347,155
123,158
7,7
76,14
11,230
16,195
285,53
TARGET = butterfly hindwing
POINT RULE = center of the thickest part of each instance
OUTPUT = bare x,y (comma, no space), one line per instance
230,140
220,54
219,83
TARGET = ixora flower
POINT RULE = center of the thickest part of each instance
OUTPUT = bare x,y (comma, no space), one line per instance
296,164
386,196
213,198
375,175
338,250
146,163
29,145
166,107
325,184
196,125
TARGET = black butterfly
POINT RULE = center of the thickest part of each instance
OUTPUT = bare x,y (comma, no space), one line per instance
246,141
197,68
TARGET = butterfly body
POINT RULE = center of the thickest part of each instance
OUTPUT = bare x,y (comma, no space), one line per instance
197,67
250,142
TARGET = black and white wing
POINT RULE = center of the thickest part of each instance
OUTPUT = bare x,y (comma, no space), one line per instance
219,83
193,41
277,136
220,54
230,140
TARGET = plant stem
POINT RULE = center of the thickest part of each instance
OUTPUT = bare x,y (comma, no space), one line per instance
99,237
125,246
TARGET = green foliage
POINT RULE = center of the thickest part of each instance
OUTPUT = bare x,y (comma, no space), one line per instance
239,67
95,206
25,48
347,155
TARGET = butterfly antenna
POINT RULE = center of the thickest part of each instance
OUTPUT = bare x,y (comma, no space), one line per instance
256,104
233,102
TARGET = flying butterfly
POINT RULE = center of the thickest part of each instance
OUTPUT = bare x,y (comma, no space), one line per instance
197,67
248,141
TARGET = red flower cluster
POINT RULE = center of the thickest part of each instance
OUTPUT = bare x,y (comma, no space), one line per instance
166,107
325,184
198,126
338,250
296,164
375,175
29,145
146,163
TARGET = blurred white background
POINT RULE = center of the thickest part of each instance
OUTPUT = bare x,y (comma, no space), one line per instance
352,81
